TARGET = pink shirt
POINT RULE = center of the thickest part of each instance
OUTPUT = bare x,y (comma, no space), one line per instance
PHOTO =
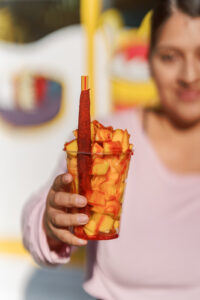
157,256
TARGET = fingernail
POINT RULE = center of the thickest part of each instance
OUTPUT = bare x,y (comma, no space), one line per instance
81,201
67,177
82,242
82,219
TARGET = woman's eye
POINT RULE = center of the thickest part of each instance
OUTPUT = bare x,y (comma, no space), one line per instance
167,57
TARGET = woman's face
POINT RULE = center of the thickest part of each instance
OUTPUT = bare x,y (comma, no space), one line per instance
175,65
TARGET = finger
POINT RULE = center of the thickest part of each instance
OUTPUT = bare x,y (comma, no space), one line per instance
68,200
62,182
67,237
60,219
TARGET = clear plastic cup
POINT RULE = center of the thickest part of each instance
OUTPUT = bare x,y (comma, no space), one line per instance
107,176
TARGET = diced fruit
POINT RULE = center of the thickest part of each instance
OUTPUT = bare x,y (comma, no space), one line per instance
93,131
120,212
98,209
72,147
118,135
121,199
112,147
109,189
96,198
72,165
100,223
113,174
97,222
124,175
116,225
125,141
105,223
96,148
97,124
90,227
110,150
113,177
103,134
123,165
120,190
100,166
96,182
88,232
131,147
112,208
75,132
115,164
125,170
76,184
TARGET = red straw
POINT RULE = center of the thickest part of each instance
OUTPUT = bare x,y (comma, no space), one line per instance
84,138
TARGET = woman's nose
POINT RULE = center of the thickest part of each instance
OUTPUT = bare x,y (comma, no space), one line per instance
189,73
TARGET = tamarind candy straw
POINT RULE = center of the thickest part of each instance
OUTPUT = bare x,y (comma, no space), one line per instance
84,138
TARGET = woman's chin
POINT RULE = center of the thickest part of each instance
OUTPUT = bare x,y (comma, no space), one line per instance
183,117
186,119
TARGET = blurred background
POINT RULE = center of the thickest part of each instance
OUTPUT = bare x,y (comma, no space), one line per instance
28,21
45,47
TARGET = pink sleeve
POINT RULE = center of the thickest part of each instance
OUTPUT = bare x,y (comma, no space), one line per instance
34,237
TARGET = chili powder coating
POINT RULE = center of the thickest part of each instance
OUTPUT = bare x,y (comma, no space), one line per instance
84,143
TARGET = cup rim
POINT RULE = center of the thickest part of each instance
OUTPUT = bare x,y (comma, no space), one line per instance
129,152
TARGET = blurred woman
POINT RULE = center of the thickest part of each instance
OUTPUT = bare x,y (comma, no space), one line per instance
157,253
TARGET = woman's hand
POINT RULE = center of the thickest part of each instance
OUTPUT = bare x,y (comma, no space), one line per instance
57,218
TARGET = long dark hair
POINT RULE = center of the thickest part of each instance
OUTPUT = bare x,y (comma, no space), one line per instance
164,9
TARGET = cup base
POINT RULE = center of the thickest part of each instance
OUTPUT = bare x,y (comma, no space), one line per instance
79,232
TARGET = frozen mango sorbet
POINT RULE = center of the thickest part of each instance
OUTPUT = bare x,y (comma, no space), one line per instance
110,156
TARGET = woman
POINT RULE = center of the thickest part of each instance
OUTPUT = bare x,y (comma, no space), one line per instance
157,253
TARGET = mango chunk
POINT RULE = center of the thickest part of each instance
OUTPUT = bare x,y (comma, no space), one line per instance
125,141
109,189
88,232
115,164
75,132
93,131
96,182
75,184
103,134
116,225
96,124
118,135
96,148
113,176
105,224
98,209
72,165
96,198
72,147
112,147
90,227
120,190
112,208
100,166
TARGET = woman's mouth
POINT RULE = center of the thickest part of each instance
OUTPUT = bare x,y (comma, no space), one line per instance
189,95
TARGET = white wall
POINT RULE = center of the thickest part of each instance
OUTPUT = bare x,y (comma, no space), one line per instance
29,156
